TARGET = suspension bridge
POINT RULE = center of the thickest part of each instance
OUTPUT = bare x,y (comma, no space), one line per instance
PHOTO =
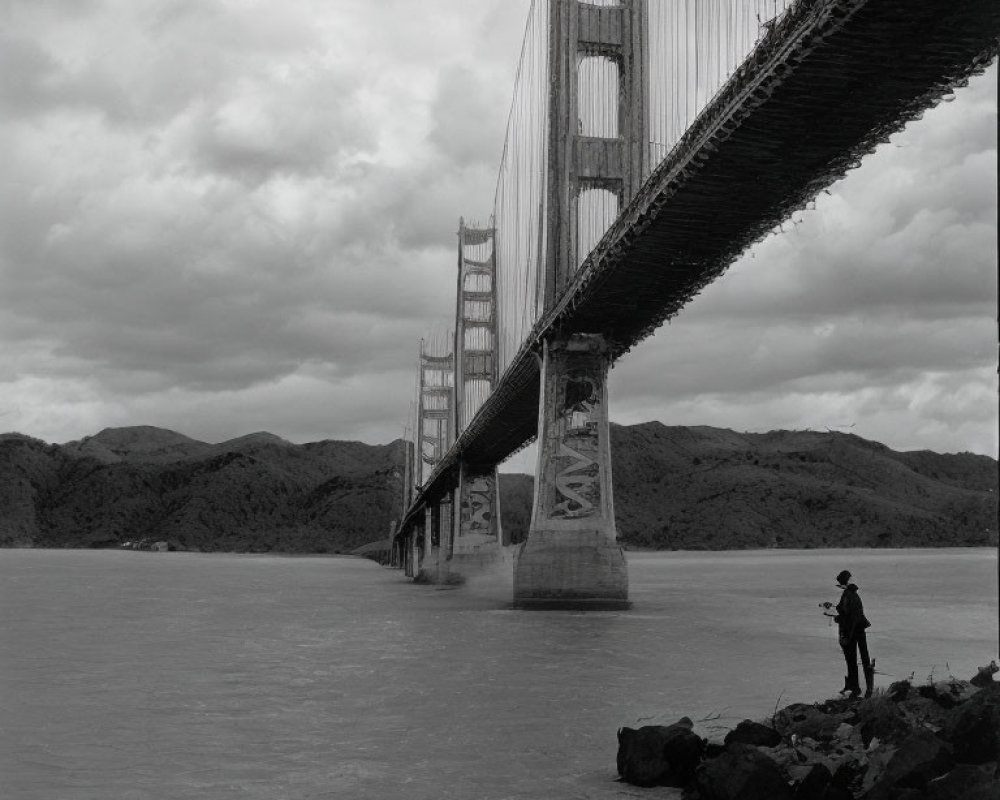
649,144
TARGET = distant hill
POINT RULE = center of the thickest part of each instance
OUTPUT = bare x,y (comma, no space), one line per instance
679,487
141,444
257,493
712,488
675,487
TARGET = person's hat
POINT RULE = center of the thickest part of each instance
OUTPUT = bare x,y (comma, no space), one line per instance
843,577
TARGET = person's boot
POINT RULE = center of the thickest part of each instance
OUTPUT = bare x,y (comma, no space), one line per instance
847,686
869,679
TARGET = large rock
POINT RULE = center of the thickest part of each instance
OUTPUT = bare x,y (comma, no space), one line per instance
924,712
966,781
878,759
974,728
921,757
844,757
819,785
899,690
806,721
814,784
848,773
740,773
948,693
984,675
659,755
881,720
910,794
749,732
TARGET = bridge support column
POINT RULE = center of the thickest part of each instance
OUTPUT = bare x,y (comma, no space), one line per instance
412,552
571,558
445,533
477,531
428,569
439,567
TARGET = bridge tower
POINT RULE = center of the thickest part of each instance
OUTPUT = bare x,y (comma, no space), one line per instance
398,544
477,536
434,435
571,556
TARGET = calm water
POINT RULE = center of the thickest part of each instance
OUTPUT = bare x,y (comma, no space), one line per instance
147,675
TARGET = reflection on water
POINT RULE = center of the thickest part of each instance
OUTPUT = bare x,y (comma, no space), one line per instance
145,675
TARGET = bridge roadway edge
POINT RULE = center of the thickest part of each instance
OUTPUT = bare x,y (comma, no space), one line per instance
829,82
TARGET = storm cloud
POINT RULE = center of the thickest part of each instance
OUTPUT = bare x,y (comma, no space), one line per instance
226,217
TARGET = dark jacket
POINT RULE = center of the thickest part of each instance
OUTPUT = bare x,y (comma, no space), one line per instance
851,619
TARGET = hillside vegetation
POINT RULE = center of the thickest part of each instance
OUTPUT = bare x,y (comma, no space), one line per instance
257,493
675,487
701,487
711,488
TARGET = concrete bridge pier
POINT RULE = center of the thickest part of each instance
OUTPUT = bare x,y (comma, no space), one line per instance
428,570
444,534
435,565
571,558
412,552
476,546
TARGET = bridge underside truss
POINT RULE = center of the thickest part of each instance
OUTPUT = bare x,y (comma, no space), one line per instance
829,82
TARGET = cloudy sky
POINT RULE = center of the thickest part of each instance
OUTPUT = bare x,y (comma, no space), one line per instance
224,216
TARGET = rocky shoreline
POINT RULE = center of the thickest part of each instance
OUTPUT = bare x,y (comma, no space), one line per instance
937,741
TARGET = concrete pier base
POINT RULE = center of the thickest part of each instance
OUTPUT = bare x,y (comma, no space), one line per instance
571,558
476,544
570,569
427,566
469,565
438,538
429,572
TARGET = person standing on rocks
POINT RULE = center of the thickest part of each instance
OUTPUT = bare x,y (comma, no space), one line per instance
851,624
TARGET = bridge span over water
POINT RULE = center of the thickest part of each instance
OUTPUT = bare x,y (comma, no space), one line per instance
627,186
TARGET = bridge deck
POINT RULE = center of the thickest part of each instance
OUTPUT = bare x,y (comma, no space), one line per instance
829,82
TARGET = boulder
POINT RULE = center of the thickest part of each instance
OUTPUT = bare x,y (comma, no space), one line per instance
899,690
815,784
740,773
984,675
878,759
749,732
843,757
926,713
713,749
793,760
881,720
949,693
849,772
659,755
838,705
920,758
807,721
966,781
974,728
798,772
909,794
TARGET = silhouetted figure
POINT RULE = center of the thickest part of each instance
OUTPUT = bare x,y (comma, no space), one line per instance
851,624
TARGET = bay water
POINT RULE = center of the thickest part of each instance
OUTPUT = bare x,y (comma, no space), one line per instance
141,676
